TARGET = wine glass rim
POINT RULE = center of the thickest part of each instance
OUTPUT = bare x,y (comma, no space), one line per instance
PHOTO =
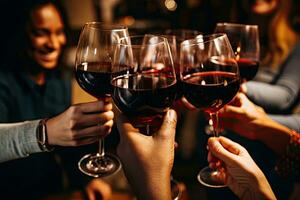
105,26
237,24
164,40
203,39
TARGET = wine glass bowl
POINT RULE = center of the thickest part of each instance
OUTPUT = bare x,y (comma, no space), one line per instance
244,40
94,55
144,81
210,79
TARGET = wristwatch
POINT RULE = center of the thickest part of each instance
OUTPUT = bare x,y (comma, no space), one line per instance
42,136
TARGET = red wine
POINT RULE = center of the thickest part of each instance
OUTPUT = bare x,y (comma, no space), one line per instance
144,98
179,93
94,78
211,90
248,68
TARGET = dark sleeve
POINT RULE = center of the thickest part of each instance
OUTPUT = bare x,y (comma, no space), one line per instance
280,96
290,121
5,103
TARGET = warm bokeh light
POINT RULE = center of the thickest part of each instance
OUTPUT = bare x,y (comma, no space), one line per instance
171,5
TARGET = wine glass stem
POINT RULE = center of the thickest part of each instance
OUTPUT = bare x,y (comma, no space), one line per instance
101,151
215,119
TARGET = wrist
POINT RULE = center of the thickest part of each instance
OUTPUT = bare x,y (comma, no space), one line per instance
42,136
158,188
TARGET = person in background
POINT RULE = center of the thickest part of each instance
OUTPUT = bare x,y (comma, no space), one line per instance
148,160
280,58
32,86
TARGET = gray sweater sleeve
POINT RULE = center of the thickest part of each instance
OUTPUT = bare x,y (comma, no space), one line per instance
18,140
282,94
290,121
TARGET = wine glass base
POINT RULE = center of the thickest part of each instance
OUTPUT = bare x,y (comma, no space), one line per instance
99,166
211,178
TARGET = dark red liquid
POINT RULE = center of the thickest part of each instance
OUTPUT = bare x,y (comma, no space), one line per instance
144,98
210,91
94,78
177,72
248,68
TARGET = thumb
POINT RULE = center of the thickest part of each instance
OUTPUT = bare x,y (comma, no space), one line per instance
219,151
168,126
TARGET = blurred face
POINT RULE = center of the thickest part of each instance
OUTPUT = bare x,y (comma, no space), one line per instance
264,6
46,36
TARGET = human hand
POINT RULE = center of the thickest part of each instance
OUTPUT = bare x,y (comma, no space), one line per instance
96,188
81,124
243,176
243,88
148,160
243,117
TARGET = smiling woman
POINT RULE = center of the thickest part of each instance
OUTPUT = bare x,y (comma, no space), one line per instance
32,86
47,37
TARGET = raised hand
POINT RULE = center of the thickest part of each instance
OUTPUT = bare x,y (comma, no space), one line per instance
81,124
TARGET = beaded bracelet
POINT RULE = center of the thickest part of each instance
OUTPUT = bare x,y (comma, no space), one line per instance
289,164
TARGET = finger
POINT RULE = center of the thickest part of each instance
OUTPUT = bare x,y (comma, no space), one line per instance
90,194
230,145
84,141
231,112
212,165
211,158
92,131
94,107
236,101
95,119
219,151
168,126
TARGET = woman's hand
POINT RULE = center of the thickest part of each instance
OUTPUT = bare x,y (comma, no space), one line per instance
243,176
81,124
243,117
148,160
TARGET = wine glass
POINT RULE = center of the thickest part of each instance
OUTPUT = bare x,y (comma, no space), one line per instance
144,81
210,80
93,73
244,40
175,37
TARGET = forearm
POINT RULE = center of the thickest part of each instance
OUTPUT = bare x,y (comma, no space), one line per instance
18,140
274,135
290,121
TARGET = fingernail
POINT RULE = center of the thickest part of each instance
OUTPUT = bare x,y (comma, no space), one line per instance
171,114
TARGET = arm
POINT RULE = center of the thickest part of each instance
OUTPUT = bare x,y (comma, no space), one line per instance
18,140
80,124
280,96
251,121
290,121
